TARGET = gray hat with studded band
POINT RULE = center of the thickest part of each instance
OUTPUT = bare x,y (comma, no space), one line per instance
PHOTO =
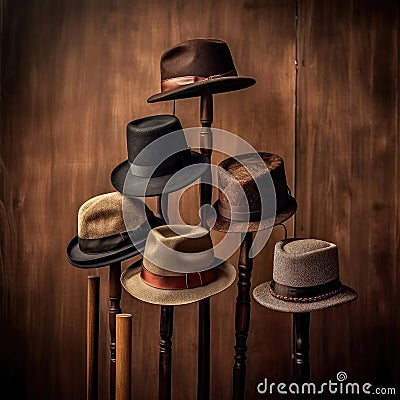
305,278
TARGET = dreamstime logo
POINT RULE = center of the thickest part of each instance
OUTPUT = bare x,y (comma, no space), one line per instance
165,147
338,387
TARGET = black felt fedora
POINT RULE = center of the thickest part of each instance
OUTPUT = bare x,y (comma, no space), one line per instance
157,151
111,228
192,67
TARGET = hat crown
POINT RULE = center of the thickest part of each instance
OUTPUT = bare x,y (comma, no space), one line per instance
305,262
142,135
178,249
246,181
197,57
103,215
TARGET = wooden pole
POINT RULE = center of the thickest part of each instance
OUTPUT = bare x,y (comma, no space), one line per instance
123,352
206,142
165,361
115,308
92,338
301,348
242,318
166,328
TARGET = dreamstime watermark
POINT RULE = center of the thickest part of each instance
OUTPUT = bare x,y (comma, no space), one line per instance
336,387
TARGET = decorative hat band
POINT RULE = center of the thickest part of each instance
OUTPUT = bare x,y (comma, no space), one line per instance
114,242
305,294
173,83
186,281
242,213
170,165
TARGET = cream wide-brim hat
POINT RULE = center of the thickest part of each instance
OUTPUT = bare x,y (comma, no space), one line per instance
262,294
134,285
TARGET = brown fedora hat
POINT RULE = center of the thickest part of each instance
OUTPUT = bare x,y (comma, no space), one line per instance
253,194
194,66
305,278
178,267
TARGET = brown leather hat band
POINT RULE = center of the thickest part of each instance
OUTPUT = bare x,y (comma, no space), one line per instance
173,83
240,214
186,281
305,294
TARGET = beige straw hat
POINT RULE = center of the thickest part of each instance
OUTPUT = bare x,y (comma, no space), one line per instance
111,228
305,278
178,267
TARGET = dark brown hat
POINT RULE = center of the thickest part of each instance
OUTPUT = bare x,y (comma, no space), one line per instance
197,65
253,194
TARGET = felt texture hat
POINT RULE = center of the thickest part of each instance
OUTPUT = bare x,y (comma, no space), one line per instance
253,194
178,267
157,149
107,224
194,66
305,278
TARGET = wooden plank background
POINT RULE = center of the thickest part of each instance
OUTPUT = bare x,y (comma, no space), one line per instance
73,74
347,176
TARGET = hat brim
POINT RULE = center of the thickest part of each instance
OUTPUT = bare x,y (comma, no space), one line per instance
264,297
80,259
226,225
134,285
216,85
147,187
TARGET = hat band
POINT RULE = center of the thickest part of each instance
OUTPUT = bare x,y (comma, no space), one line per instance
173,83
305,294
239,213
170,165
242,213
186,281
117,241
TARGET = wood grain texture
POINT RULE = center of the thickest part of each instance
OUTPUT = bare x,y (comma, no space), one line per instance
92,338
75,72
347,177
123,357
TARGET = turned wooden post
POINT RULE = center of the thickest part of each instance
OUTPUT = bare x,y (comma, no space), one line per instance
123,356
92,339
206,142
301,347
242,318
165,363
166,328
115,308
